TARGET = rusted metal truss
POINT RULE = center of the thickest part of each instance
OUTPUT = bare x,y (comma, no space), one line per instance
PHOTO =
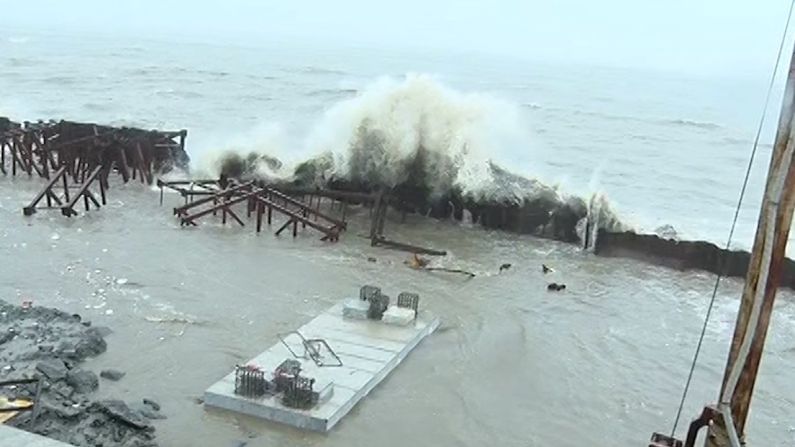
261,201
83,154
377,237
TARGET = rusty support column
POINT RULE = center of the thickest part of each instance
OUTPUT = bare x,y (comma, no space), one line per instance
27,152
141,162
764,272
65,187
13,157
124,167
102,190
259,216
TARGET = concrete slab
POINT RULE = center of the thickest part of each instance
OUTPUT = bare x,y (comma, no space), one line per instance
13,437
369,351
399,316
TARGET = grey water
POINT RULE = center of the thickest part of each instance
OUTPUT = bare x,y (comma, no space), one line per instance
603,363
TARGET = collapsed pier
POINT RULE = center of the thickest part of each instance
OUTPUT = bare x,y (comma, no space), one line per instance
76,160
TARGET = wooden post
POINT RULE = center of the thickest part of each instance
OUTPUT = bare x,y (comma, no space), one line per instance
764,273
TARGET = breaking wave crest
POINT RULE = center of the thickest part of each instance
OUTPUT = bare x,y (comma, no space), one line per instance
416,133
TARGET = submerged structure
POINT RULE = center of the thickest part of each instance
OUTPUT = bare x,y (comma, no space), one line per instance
76,159
315,375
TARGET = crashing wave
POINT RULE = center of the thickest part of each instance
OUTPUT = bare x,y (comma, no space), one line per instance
433,149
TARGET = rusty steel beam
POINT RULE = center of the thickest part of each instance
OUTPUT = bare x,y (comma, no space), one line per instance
308,208
46,191
223,205
331,232
234,190
83,191
380,240
764,271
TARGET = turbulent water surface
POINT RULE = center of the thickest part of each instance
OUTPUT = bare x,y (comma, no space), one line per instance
602,363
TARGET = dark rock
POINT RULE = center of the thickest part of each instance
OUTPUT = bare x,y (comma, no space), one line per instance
67,411
66,348
555,287
53,369
148,412
118,410
91,344
152,403
82,381
112,374
62,389
7,336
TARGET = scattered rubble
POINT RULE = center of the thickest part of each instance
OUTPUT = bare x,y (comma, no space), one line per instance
51,344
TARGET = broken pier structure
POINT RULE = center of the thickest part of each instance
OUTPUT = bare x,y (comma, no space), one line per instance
77,159
299,206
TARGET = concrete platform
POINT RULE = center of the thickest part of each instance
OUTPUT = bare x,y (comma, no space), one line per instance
369,351
13,437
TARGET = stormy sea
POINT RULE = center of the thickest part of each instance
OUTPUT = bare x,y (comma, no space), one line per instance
603,363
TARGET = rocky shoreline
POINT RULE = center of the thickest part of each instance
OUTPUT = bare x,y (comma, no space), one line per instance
51,345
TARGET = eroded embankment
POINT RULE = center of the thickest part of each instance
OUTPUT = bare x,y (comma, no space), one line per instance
51,345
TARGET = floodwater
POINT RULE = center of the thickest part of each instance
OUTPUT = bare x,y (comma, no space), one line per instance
602,363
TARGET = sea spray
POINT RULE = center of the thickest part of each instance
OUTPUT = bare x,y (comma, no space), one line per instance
416,130
251,154
437,150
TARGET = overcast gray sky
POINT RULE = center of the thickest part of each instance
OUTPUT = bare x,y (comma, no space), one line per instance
699,36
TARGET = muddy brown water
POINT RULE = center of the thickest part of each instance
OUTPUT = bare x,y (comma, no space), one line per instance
602,363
